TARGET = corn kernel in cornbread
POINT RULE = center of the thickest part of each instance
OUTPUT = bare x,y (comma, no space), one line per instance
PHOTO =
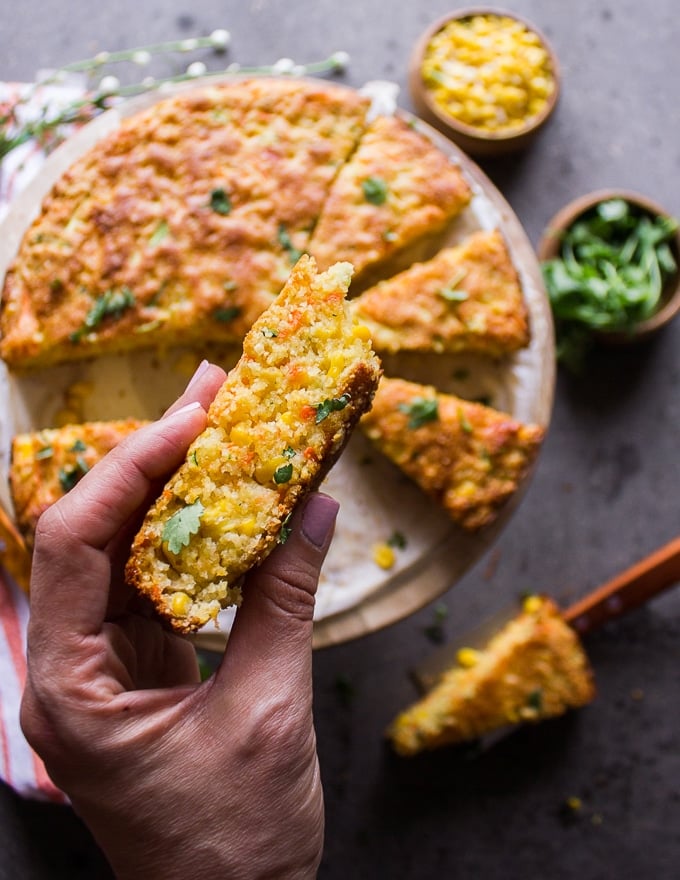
534,668
270,439
182,224
468,457
46,464
467,298
396,188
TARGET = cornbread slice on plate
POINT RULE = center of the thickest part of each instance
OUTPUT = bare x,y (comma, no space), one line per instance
396,188
534,668
467,298
468,457
181,225
46,464
276,426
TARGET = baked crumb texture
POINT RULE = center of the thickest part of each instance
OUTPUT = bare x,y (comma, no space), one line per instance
467,298
468,457
281,419
46,464
534,668
183,224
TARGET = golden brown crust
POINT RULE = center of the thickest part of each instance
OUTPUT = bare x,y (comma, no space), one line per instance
15,557
468,457
534,668
280,420
46,464
415,191
182,225
467,298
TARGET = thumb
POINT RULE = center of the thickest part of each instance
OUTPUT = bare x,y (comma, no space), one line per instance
270,645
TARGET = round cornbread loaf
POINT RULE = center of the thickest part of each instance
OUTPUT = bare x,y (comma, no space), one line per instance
282,417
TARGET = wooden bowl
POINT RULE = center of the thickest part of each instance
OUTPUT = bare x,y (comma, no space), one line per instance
669,302
473,140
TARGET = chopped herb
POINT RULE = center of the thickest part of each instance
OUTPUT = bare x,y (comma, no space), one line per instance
330,405
613,264
56,285
110,304
397,540
194,457
465,425
229,286
68,477
451,294
289,452
83,466
286,243
182,525
420,411
284,534
389,235
226,313
78,446
161,232
283,474
435,631
375,190
220,201
441,612
269,334
45,452
535,700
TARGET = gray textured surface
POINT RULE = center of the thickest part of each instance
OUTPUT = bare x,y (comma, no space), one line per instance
605,492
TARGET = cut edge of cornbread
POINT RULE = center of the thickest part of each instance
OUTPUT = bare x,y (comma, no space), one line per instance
534,668
277,425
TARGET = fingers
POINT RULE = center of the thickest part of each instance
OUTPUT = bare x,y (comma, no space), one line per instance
203,387
270,646
71,571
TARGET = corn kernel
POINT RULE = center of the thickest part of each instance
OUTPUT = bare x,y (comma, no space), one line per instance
361,331
179,605
383,555
248,527
336,365
264,472
532,604
288,419
467,657
240,435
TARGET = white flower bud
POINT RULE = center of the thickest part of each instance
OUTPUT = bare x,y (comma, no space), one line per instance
283,65
142,57
109,85
340,60
220,38
196,68
101,58
188,45
234,67
299,70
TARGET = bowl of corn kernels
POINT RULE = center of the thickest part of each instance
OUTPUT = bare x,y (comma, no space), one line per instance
485,77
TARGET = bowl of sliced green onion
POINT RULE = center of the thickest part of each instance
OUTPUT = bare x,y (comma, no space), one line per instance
610,261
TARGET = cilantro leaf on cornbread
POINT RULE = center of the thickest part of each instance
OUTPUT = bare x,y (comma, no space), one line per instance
534,668
466,298
181,225
468,457
46,464
396,188
282,417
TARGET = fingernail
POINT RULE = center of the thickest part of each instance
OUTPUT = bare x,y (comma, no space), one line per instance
183,410
200,369
318,519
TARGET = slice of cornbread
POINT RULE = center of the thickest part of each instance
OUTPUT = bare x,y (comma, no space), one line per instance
180,226
467,298
280,420
396,188
469,457
15,557
534,668
46,464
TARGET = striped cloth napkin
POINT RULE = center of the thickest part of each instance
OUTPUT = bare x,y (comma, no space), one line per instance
20,767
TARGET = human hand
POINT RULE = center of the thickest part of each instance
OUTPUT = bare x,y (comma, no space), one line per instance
175,778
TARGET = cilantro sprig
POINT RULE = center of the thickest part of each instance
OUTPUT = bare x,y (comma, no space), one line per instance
375,190
111,304
330,405
182,525
612,267
420,411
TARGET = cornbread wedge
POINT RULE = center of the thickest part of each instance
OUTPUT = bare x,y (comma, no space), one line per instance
46,464
534,668
468,457
276,426
14,555
396,188
180,226
467,298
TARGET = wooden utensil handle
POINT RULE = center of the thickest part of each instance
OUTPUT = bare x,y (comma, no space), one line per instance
639,583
